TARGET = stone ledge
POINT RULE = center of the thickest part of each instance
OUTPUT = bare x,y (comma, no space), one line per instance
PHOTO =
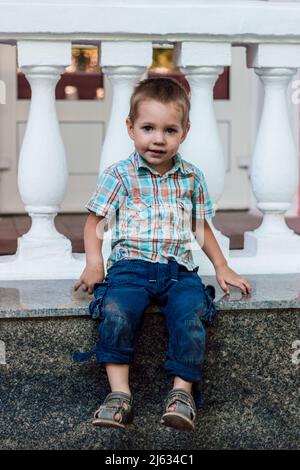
46,298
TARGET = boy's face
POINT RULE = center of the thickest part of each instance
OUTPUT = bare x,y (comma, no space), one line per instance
157,133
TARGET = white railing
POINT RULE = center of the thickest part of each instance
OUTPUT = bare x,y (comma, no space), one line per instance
203,35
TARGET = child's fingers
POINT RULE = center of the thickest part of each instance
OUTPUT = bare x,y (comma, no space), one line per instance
249,288
84,286
243,289
224,287
77,285
240,285
246,286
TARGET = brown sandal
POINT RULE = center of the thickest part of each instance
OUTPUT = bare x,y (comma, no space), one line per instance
115,403
183,418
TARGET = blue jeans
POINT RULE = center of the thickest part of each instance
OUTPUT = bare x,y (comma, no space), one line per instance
120,300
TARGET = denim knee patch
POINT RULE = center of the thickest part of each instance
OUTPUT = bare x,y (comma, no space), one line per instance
116,331
187,342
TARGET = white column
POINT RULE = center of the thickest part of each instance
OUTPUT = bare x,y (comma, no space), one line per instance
42,175
273,247
274,163
124,64
202,63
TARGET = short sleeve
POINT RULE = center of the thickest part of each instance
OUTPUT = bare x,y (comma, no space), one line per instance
202,204
108,195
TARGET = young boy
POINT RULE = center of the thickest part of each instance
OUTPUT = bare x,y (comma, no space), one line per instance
157,198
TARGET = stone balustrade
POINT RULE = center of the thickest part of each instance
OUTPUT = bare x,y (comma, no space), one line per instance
203,41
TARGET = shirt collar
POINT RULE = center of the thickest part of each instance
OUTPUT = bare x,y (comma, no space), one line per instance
139,162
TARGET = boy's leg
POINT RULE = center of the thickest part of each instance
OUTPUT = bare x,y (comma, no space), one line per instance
122,312
118,377
122,308
186,345
185,310
180,383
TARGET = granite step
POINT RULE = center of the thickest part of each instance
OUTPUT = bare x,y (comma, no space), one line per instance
251,373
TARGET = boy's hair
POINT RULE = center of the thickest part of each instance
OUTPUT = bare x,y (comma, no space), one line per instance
164,90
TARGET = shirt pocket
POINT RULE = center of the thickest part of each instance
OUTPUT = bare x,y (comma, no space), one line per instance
137,217
173,219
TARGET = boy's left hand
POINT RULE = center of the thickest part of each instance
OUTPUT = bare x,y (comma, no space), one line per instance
225,275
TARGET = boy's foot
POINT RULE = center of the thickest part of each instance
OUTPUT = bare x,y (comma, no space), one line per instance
180,410
116,411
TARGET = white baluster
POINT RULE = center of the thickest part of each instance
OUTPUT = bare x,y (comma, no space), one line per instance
42,175
124,63
273,247
202,63
274,164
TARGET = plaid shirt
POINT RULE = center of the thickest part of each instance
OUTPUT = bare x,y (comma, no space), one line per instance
150,214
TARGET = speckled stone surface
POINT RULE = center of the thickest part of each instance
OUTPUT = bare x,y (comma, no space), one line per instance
251,386
57,298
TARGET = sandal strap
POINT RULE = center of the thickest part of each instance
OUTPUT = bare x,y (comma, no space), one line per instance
113,404
117,399
184,398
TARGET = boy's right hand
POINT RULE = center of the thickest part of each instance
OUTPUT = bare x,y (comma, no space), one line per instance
89,277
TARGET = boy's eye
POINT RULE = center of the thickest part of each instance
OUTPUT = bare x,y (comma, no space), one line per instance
170,130
147,128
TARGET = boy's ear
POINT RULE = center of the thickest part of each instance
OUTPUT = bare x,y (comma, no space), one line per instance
129,125
185,132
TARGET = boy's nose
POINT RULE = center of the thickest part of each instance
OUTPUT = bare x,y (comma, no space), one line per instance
159,138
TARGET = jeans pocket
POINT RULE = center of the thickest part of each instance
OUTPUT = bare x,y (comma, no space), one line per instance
210,310
96,306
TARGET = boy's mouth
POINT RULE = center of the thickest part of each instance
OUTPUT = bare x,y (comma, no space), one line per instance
157,152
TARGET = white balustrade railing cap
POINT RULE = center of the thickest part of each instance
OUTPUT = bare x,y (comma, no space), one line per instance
242,20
